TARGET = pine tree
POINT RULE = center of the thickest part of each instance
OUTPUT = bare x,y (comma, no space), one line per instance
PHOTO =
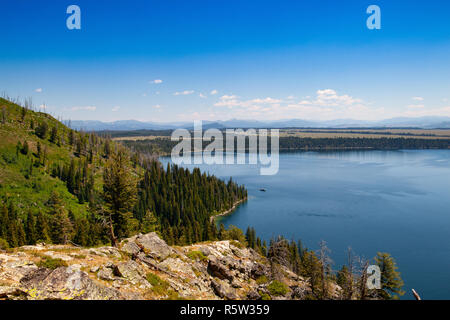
25,148
30,228
21,236
71,137
391,282
42,229
41,130
344,280
222,231
119,193
81,230
311,269
39,151
149,222
53,134
4,115
61,226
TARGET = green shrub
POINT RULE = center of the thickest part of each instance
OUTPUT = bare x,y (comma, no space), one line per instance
159,286
262,280
264,296
172,295
237,244
51,263
153,279
3,244
10,158
196,255
277,288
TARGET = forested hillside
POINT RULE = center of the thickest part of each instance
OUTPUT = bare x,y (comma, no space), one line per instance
58,185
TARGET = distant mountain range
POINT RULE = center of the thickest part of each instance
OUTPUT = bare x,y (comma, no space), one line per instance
128,125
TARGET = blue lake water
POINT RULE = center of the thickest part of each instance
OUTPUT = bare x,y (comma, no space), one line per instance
390,201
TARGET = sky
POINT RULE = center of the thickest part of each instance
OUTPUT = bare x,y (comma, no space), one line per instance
172,60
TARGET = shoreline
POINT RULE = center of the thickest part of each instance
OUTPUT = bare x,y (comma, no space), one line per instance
229,211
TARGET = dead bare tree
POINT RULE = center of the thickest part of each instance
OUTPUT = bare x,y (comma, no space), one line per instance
325,263
350,280
363,265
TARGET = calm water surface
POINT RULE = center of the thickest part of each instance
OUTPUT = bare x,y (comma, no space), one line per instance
392,201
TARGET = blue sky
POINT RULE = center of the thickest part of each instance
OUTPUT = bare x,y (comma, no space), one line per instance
228,59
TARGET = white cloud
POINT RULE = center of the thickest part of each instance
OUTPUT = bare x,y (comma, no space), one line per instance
329,97
144,94
201,95
157,106
38,90
424,112
86,108
416,106
213,92
417,98
327,104
183,93
156,81
116,108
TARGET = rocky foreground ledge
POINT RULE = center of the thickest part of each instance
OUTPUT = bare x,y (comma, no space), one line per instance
145,267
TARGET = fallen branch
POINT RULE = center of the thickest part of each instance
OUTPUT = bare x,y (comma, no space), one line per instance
416,295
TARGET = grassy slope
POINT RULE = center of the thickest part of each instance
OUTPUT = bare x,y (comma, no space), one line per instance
33,191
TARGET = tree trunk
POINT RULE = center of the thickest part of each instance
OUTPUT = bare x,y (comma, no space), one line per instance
111,233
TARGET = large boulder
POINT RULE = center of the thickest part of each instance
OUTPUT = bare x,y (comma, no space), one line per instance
67,283
7,292
131,247
223,291
106,273
153,246
219,270
132,272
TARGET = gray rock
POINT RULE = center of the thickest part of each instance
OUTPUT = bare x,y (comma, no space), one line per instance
131,248
217,269
221,291
106,274
205,250
153,246
235,284
300,292
7,292
94,269
253,295
67,283
107,251
133,272
259,270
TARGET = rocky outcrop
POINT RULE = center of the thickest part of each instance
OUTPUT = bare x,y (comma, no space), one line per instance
219,269
68,284
145,267
153,246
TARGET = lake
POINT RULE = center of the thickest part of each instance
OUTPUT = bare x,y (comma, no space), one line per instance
389,201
